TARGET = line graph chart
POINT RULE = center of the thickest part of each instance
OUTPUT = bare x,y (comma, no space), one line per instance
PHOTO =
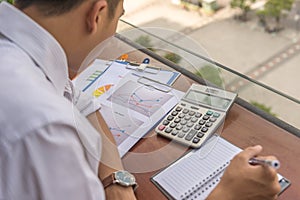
120,125
139,98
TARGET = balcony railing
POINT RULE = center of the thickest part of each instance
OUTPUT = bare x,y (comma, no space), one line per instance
185,55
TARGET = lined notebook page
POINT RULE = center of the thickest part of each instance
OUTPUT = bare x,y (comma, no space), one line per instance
191,175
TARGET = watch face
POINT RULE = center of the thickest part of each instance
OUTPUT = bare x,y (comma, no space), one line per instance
125,178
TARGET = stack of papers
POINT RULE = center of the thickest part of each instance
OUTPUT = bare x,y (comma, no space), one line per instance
131,109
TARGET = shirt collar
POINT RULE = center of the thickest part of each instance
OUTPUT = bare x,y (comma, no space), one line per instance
40,45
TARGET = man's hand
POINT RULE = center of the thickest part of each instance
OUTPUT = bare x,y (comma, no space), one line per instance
244,181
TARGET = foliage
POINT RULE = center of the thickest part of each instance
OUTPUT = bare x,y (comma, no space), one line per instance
211,74
263,107
145,41
9,1
244,5
275,9
175,58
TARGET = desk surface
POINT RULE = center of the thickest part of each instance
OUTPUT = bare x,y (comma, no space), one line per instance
243,128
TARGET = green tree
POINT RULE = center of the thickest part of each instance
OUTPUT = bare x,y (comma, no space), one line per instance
244,5
263,107
275,9
175,58
211,74
145,41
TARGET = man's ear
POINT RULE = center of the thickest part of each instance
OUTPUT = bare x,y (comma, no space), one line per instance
96,14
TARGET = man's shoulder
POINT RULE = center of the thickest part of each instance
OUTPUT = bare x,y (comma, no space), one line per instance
9,50
15,62
28,100
32,108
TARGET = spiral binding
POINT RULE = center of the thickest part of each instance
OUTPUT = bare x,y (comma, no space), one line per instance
204,185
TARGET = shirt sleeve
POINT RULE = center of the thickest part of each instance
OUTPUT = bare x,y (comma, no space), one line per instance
85,103
50,163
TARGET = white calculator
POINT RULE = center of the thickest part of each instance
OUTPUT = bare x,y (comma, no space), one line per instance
197,116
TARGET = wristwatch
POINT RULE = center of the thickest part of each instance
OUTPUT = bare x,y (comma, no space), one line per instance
123,178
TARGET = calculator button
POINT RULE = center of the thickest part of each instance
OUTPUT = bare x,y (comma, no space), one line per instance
198,115
173,125
209,112
185,111
196,140
197,127
208,124
168,130
190,124
179,127
183,122
216,115
200,135
204,129
177,120
175,132
178,109
183,104
174,113
187,117
170,118
192,113
190,135
205,117
181,135
212,119
161,127
201,122
185,129
194,119
166,122
181,115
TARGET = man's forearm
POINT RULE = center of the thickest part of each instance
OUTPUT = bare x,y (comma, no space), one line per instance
110,159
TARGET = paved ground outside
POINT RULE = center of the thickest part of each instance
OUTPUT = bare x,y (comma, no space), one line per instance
245,47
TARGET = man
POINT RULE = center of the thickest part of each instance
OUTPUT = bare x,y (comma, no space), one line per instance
49,150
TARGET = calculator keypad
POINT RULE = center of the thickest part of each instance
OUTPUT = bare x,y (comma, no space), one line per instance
190,125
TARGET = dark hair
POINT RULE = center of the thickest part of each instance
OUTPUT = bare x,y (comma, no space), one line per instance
57,7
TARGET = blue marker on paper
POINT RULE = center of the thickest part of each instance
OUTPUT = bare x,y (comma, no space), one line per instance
146,61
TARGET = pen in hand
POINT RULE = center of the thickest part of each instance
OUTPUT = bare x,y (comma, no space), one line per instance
272,163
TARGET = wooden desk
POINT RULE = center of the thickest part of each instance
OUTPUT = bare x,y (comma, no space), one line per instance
242,127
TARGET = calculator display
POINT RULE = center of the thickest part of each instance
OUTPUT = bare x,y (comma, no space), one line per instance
207,99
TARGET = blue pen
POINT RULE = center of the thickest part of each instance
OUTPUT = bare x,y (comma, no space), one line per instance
272,163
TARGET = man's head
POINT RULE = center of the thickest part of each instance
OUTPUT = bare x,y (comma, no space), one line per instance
78,25
58,7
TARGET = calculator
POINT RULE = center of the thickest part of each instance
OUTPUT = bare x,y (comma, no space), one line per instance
197,116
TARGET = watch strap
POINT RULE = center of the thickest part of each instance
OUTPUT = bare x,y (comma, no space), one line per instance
109,180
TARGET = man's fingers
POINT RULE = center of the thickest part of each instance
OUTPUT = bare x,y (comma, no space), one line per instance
251,152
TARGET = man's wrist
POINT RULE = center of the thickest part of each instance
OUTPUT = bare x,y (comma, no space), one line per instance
119,192
122,178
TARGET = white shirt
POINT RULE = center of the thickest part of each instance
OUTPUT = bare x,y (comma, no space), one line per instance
48,150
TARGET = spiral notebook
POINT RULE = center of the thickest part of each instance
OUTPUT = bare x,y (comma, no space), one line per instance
195,175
